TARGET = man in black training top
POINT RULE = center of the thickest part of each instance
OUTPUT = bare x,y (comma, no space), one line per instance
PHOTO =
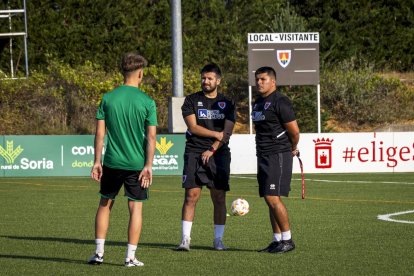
277,136
210,119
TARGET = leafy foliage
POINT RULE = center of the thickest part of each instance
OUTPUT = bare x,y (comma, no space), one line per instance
380,32
74,47
63,99
364,97
73,31
304,102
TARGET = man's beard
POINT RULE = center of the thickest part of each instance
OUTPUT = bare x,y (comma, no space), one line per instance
210,89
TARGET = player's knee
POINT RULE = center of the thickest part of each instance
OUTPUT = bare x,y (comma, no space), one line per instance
106,202
273,201
219,199
191,200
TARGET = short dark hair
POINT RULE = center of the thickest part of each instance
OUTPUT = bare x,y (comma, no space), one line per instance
211,67
266,70
131,62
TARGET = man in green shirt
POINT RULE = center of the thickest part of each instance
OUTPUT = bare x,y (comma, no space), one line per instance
128,115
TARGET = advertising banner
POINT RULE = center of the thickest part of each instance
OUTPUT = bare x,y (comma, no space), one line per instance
336,153
320,152
72,155
357,152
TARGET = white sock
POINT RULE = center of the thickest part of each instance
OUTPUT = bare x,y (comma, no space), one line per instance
186,226
131,251
218,231
286,235
100,244
277,236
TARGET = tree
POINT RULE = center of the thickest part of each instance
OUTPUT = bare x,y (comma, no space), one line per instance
380,32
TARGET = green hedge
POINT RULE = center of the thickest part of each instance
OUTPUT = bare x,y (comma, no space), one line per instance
63,100
365,98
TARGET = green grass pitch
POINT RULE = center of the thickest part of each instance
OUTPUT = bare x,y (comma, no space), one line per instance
47,228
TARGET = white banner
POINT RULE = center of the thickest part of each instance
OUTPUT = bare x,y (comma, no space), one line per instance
337,153
261,38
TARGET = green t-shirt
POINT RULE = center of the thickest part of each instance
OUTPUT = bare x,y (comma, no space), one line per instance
127,112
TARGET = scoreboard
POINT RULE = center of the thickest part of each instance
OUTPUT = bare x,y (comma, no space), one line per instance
294,56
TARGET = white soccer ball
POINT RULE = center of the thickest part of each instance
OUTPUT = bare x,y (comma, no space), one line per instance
239,207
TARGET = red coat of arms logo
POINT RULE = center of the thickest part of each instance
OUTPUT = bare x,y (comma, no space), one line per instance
323,153
284,57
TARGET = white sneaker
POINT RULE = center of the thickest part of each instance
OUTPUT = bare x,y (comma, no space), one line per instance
130,263
184,245
96,259
218,244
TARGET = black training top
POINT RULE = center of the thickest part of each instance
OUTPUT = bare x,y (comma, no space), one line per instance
210,114
269,116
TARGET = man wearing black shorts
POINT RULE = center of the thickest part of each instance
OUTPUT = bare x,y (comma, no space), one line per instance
128,115
277,136
210,119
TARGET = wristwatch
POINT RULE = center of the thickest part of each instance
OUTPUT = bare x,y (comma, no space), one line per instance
213,150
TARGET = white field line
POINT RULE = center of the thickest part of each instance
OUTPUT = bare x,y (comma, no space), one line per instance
387,217
336,181
234,176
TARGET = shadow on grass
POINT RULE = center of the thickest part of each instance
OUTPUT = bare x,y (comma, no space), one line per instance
50,259
115,243
208,248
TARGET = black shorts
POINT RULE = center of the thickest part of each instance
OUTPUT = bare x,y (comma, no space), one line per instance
113,179
274,173
220,179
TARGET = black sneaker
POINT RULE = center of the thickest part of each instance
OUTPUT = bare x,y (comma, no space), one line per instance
270,247
283,247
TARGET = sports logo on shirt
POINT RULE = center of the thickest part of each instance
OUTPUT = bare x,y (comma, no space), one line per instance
284,57
222,105
258,116
202,113
199,103
210,114
267,104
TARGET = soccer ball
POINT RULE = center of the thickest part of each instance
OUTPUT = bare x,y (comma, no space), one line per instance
239,207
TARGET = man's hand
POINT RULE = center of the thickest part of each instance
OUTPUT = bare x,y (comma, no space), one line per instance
295,152
205,156
96,172
145,177
219,136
